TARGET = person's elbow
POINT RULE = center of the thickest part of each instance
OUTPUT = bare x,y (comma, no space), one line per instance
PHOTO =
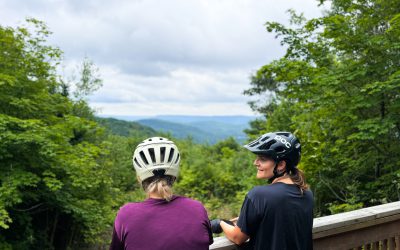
235,235
238,240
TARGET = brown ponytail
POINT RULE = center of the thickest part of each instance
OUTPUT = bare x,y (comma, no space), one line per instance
299,179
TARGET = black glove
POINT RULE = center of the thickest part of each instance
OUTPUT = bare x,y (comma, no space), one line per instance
216,225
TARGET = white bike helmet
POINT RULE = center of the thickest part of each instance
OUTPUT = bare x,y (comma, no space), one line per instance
156,156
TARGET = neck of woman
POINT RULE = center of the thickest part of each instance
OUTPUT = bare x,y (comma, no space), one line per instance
154,196
285,179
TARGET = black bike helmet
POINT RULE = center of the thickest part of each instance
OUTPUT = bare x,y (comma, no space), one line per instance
279,146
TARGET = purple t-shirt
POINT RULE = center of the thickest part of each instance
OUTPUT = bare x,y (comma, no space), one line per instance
156,224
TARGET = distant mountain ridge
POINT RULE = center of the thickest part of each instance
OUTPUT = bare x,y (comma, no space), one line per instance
125,128
185,118
203,129
177,130
234,119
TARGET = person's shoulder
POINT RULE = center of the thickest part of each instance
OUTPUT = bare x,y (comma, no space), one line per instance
309,194
128,207
264,190
308,191
190,204
187,200
258,190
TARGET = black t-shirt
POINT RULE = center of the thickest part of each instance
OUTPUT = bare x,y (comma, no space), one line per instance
278,217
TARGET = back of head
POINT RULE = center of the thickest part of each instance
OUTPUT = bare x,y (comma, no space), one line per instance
156,161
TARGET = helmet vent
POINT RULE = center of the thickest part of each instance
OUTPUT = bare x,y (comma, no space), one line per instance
177,159
267,145
162,153
280,149
255,143
137,163
152,155
265,138
143,157
171,153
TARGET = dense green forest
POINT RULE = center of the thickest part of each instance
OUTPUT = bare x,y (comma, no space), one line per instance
64,173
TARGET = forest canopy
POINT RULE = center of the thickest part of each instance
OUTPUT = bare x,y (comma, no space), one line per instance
64,172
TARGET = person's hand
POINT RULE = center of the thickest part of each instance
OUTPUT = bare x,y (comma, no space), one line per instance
216,225
234,220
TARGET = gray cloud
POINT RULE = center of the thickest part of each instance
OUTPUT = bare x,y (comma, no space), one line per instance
171,52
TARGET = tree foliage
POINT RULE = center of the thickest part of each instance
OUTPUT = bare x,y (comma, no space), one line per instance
64,172
337,87
53,157
218,175
89,79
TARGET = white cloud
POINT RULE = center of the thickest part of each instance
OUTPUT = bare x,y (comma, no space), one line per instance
163,57
180,85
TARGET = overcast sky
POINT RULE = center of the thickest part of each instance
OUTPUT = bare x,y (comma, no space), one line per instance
191,57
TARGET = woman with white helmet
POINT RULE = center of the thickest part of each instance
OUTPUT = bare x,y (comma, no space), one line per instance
163,220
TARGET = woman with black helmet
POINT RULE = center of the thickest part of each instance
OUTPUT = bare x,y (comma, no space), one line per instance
163,220
279,215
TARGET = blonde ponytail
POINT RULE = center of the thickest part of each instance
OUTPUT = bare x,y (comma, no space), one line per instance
160,186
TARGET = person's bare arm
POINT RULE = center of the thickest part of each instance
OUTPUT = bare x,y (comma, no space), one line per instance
233,233
234,220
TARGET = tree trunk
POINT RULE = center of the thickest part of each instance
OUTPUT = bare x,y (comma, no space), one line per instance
54,228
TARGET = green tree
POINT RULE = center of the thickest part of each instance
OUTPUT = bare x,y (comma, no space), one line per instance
337,88
89,79
56,183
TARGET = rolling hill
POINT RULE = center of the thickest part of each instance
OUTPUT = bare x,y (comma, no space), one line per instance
125,128
203,129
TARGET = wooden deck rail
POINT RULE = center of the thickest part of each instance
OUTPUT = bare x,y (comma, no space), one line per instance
375,227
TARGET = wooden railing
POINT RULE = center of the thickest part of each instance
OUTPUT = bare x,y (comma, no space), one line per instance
375,227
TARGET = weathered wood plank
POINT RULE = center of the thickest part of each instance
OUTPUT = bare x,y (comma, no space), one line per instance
354,226
391,243
375,245
357,217
365,226
222,243
358,237
384,244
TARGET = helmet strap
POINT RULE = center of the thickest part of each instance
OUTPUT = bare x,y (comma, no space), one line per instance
276,173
